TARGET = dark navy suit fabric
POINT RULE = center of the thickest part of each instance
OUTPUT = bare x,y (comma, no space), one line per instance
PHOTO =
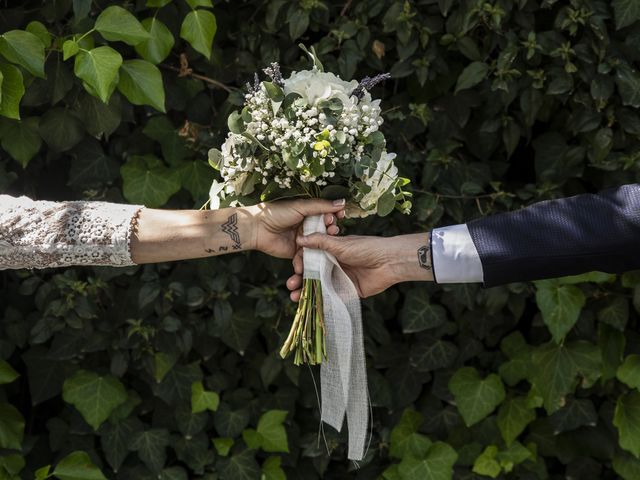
561,237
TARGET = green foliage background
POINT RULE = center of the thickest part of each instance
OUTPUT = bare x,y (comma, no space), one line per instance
171,371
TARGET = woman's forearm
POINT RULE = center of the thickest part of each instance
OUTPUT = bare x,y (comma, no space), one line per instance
409,258
167,235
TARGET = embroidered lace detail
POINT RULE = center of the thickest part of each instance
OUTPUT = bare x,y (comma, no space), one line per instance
41,234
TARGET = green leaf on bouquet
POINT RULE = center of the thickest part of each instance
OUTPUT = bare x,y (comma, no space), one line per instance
117,24
95,397
274,92
198,28
141,82
335,192
148,182
236,123
159,44
386,204
476,397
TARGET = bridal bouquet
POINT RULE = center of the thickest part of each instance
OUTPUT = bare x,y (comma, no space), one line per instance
311,134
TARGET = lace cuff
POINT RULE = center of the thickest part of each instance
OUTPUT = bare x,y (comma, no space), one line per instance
41,234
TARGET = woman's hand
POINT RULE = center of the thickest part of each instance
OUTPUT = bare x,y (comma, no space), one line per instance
372,263
278,224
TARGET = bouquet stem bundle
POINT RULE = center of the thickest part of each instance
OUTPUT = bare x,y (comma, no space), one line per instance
307,334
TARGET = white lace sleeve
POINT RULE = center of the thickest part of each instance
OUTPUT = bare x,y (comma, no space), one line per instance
41,234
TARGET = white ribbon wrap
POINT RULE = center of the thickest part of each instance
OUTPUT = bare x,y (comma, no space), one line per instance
343,374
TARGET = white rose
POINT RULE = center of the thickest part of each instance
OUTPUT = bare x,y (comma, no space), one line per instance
314,85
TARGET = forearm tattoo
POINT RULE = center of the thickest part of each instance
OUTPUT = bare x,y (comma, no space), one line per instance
424,257
230,227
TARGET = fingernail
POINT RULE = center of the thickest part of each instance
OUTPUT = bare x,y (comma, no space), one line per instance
341,214
332,219
337,230
339,203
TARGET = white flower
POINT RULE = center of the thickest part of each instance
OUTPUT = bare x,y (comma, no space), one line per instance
314,85
216,194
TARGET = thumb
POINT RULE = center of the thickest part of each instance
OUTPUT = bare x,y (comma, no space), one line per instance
318,206
319,241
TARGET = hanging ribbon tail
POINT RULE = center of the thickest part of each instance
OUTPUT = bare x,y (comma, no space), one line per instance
343,374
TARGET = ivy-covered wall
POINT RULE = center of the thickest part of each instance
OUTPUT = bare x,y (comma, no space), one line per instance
171,371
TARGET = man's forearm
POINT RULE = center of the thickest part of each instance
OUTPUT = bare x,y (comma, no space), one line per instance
167,235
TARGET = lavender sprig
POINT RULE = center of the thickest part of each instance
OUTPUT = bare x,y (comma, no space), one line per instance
274,73
367,83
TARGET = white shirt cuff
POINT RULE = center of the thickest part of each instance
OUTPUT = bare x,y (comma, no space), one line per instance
455,257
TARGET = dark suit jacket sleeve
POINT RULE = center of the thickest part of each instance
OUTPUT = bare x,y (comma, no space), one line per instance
561,237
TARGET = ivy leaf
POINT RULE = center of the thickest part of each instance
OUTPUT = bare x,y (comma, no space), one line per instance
200,3
160,129
627,466
146,181
198,28
159,44
272,431
99,118
11,427
472,75
151,447
70,48
162,364
615,313
98,68
476,397
426,357
115,23
627,419
39,30
230,423
77,466
95,397
60,129
575,414
223,445
12,90
21,140
272,470
202,400
7,373
242,466
486,463
629,372
24,49
176,384
555,368
196,176
513,417
560,306
628,82
115,439
419,314
436,465
141,82
627,12
405,439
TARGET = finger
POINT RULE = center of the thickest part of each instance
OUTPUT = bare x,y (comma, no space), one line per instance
333,230
319,206
295,295
298,264
316,240
329,219
341,214
294,282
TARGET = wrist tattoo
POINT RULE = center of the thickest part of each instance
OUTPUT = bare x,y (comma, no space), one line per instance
230,227
424,257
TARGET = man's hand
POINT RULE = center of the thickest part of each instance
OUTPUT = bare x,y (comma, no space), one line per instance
277,224
372,263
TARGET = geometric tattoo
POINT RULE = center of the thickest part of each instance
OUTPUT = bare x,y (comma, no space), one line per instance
230,227
424,259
